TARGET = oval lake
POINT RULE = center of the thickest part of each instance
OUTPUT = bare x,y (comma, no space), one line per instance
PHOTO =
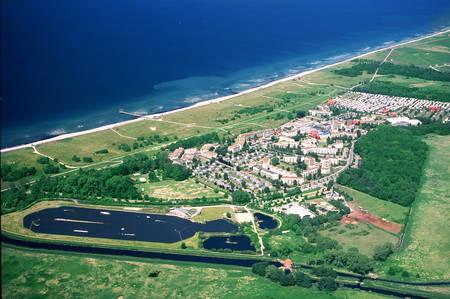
265,222
121,225
239,242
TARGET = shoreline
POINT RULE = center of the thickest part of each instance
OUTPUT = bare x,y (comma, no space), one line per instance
212,101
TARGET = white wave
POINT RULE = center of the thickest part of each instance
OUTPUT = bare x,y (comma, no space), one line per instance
57,132
339,57
80,126
192,100
315,62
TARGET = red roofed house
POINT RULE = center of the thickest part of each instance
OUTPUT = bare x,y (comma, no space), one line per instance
287,264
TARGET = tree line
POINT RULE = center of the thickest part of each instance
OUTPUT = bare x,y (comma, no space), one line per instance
391,166
94,184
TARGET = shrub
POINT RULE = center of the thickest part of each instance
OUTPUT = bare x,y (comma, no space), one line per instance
327,284
273,273
302,280
87,160
260,268
43,160
287,280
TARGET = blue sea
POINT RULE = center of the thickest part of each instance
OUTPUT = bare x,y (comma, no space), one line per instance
70,65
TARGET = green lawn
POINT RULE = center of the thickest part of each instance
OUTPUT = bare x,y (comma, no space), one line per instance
170,189
362,236
85,146
35,274
208,214
427,244
435,50
382,208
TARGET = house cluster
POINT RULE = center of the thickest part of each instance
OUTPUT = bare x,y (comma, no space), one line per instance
304,149
383,104
184,156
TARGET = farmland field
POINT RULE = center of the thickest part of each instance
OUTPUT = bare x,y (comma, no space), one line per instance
35,274
425,252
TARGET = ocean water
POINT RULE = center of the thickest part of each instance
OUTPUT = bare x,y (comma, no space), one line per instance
71,65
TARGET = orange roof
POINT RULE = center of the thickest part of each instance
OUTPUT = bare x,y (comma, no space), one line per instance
288,262
331,102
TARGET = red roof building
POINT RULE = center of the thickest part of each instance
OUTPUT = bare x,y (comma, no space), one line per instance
287,264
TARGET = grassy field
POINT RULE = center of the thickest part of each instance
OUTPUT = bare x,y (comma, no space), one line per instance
362,236
170,189
427,245
35,274
208,214
424,53
381,208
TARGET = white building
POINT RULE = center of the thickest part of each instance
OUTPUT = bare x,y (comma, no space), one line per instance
291,180
290,159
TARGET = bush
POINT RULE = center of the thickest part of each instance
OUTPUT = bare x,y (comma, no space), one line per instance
324,272
75,158
273,273
287,280
327,284
87,160
50,169
43,160
240,197
124,147
302,280
260,268
103,151
381,252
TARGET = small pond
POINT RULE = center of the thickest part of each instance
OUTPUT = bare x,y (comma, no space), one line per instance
265,222
239,242
112,224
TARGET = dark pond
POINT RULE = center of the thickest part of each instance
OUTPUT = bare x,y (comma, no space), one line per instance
120,225
265,222
245,262
240,242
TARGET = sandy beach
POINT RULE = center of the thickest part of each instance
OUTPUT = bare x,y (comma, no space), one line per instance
216,100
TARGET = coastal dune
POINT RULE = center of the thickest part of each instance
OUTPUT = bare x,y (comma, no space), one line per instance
216,100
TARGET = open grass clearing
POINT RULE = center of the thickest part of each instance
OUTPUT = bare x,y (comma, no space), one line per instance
419,57
362,236
381,208
85,146
170,189
426,246
213,213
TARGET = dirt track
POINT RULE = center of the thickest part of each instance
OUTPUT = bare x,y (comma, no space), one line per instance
377,221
